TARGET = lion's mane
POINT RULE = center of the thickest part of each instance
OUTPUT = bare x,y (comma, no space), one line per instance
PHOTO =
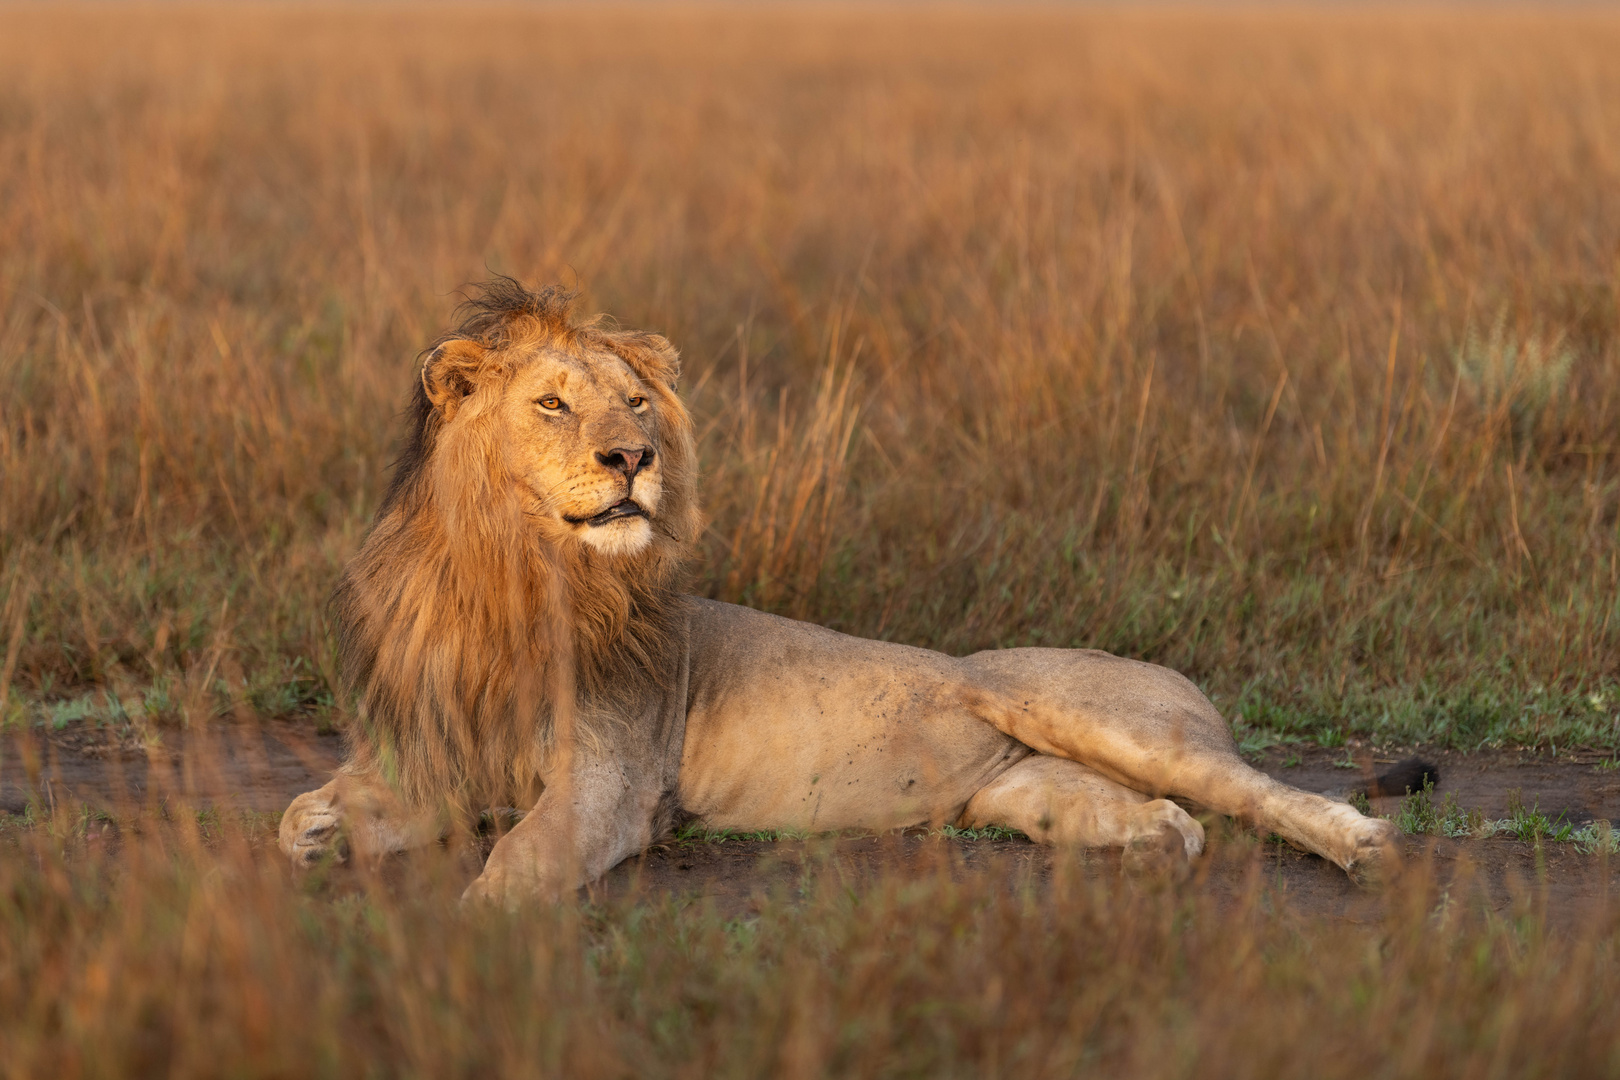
463,631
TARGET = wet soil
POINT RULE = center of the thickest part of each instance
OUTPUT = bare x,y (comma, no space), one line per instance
258,767
261,767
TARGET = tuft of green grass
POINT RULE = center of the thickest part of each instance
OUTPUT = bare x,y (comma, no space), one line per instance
1419,815
1596,838
989,832
695,832
1529,824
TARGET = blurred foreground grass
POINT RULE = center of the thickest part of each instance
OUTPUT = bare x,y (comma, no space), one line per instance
1282,348
180,950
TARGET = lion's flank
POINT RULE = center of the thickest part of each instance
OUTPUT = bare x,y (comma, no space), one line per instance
461,627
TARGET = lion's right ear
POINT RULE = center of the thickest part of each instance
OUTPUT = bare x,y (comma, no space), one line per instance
449,373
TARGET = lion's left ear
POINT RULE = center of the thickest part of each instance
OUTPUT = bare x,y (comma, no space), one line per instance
651,356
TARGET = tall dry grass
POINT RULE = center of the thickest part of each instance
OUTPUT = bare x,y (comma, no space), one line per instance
1280,347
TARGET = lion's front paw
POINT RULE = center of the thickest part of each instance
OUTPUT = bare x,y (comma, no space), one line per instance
514,876
499,888
311,830
490,888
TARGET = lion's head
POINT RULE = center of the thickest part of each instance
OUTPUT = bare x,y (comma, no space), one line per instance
529,547
577,419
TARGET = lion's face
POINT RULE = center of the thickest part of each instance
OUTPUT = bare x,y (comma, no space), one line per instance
575,427
583,437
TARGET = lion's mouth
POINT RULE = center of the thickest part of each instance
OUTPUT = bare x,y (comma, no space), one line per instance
624,508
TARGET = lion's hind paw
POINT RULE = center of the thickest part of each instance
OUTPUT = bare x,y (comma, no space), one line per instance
1377,860
1158,855
1375,866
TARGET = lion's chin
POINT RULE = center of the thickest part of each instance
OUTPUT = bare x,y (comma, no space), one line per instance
621,537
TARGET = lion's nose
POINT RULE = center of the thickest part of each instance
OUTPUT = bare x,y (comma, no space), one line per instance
626,460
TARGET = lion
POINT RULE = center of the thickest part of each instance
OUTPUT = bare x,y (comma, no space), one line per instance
515,634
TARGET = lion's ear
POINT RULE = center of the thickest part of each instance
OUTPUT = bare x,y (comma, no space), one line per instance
651,356
448,374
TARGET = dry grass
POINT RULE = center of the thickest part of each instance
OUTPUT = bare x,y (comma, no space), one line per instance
193,954
1283,348
1280,348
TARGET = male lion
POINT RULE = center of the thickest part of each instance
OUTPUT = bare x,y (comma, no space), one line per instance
513,630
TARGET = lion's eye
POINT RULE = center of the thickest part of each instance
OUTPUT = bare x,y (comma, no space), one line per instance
550,403
637,402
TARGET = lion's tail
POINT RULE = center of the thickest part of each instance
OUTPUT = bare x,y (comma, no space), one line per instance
1402,778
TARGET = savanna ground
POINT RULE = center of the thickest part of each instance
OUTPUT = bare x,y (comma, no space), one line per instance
1279,347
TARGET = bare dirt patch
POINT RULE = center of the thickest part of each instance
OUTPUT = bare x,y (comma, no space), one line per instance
260,768
232,766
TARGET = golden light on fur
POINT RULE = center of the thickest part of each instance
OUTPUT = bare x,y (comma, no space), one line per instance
513,628
473,607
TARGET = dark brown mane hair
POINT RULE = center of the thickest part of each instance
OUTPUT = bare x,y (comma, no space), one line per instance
463,630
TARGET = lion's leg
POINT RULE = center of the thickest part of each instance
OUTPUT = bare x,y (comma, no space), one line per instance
362,813
1063,803
1152,730
575,834
1365,847
1223,782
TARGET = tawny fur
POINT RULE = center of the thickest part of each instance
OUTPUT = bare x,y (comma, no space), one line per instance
514,631
462,624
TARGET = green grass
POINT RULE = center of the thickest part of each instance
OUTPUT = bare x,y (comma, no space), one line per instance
1484,712
695,832
1419,814
989,832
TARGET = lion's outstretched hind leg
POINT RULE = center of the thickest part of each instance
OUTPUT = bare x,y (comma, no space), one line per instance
1152,730
1063,803
1366,848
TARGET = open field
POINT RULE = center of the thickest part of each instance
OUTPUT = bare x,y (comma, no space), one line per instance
1279,347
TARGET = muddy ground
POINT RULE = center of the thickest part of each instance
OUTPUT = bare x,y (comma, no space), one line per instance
260,768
